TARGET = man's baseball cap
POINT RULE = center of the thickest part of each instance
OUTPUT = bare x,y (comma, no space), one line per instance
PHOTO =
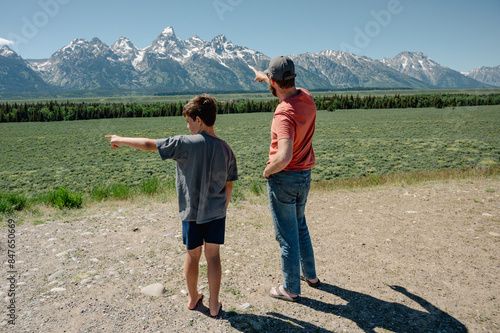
281,69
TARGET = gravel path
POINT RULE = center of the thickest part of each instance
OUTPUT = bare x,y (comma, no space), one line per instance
422,258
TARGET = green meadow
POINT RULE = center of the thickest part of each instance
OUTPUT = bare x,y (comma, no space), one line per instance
349,144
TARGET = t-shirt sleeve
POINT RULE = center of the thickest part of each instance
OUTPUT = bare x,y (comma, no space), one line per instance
285,127
170,148
232,173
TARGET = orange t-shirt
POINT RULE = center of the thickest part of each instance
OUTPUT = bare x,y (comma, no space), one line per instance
294,118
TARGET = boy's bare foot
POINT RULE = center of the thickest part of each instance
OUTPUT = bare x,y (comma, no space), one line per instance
193,301
214,312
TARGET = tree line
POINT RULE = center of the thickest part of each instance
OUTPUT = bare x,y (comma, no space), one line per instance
61,111
344,102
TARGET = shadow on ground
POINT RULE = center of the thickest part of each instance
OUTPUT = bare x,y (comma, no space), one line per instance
366,311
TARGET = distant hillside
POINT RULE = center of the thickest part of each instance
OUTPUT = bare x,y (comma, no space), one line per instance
487,75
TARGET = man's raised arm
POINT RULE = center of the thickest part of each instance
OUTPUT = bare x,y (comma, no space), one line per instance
260,76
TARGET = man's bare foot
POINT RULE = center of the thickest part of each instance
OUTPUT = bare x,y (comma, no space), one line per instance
315,283
280,291
193,301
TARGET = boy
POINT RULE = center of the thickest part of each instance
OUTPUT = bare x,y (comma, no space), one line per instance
206,168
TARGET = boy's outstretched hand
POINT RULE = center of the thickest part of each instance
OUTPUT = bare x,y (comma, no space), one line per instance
137,143
114,140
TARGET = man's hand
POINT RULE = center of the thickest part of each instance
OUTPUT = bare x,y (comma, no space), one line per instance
281,159
115,141
260,76
265,174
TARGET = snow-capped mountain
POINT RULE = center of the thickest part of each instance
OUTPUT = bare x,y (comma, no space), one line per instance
346,70
171,64
126,50
487,75
195,64
6,52
17,76
167,45
421,67
168,64
83,65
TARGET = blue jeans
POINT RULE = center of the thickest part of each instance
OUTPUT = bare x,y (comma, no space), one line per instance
288,192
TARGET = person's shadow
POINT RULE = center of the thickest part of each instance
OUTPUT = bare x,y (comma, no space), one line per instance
369,312
273,322
366,311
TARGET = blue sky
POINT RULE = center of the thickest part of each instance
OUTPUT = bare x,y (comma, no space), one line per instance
460,34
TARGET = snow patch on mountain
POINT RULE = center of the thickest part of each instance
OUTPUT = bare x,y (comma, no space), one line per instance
6,52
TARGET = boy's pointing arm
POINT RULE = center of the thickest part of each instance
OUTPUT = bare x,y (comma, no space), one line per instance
137,143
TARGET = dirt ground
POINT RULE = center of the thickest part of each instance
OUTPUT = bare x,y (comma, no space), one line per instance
420,258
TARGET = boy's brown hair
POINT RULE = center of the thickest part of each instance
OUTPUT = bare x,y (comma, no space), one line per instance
203,106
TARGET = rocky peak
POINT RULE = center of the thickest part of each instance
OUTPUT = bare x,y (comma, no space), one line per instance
6,52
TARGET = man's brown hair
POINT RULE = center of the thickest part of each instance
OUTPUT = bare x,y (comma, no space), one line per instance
203,106
285,84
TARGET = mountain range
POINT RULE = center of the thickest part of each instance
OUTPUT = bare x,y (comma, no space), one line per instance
172,65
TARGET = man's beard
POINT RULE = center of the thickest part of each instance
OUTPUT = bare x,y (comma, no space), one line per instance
273,90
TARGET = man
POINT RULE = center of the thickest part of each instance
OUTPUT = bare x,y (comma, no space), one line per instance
288,172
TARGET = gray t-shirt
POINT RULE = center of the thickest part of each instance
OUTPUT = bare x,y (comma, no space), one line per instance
204,165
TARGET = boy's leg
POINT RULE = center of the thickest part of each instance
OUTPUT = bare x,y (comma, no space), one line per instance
214,273
191,272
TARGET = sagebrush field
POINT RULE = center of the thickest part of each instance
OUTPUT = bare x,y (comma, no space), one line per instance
36,157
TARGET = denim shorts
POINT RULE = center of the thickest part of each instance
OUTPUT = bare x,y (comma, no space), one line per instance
194,234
